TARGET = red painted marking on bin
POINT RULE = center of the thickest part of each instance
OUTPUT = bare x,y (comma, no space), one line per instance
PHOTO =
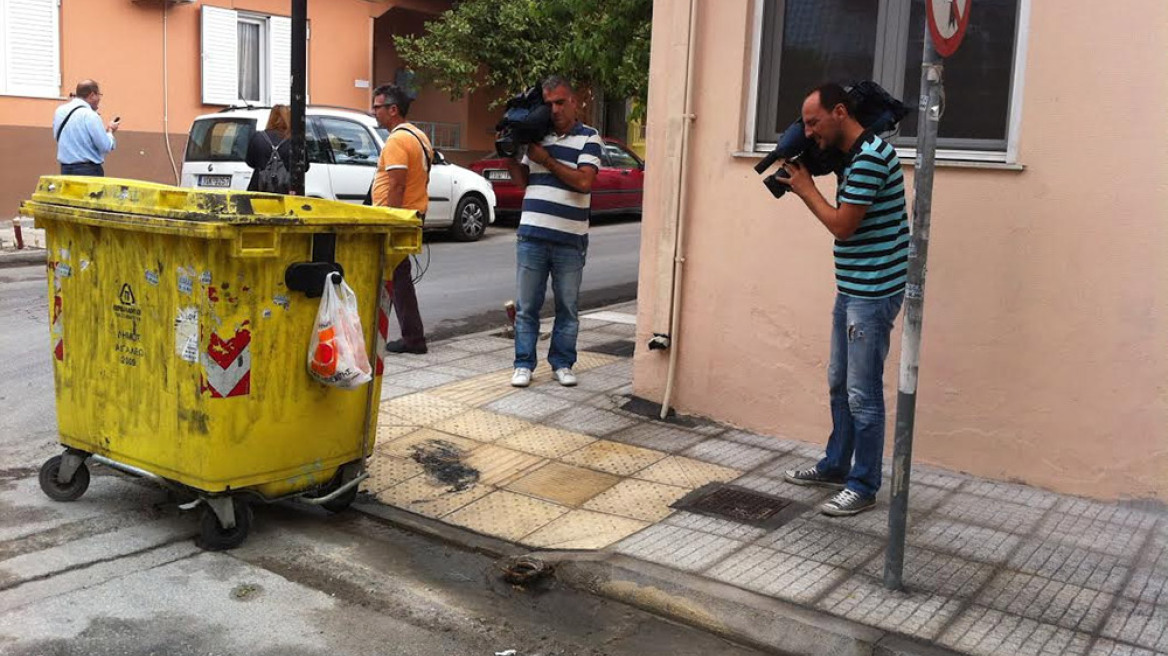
57,328
212,294
227,365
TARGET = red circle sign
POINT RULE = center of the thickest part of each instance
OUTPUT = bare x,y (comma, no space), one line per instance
947,22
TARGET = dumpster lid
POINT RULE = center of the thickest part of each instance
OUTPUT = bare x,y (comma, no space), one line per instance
137,197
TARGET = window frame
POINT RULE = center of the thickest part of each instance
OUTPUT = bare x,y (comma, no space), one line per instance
263,48
889,65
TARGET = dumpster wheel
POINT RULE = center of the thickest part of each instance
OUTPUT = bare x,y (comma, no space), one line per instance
212,535
58,491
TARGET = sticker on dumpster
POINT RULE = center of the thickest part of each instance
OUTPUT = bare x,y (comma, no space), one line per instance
282,300
384,306
227,364
151,277
205,278
186,334
85,264
63,270
185,284
57,329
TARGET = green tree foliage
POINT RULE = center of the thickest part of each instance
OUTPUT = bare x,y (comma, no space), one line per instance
512,44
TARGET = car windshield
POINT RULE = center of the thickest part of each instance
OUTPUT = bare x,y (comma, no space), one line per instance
220,139
383,133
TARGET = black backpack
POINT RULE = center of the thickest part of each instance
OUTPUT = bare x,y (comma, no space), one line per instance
274,178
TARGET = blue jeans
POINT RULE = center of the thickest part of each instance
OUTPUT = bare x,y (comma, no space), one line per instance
860,332
539,259
83,168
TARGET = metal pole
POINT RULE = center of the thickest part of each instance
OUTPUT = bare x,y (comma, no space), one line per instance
299,78
914,300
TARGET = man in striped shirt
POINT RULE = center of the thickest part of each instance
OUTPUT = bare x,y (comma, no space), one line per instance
557,175
871,265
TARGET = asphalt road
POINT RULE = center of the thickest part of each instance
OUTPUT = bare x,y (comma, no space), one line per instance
465,286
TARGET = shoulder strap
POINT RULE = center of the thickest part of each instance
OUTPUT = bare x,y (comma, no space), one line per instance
425,151
66,121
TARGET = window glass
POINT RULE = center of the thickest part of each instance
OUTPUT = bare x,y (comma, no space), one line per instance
220,140
249,61
619,158
350,142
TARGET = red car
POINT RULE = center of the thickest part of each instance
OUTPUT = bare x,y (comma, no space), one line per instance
618,188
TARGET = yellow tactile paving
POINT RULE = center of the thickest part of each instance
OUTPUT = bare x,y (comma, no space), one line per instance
482,426
390,432
586,360
613,457
422,409
476,391
404,447
687,472
499,466
641,500
546,441
426,496
563,484
506,515
386,471
583,529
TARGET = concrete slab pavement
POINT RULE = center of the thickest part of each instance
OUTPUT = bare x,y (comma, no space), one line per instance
993,568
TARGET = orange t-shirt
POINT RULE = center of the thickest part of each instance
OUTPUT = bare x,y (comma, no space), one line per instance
403,152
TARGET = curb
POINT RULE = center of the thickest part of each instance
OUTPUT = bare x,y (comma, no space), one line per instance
747,618
25,257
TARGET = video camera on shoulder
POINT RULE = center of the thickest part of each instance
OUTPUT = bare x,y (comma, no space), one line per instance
876,110
527,120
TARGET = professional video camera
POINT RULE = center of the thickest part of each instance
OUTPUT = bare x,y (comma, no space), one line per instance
527,120
876,110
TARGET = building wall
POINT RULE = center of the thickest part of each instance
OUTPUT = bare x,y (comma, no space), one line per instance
120,44
1044,357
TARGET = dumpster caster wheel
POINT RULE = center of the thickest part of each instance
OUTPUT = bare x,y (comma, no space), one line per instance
212,535
341,503
58,491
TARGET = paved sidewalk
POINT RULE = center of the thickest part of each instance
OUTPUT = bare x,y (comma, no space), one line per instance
993,568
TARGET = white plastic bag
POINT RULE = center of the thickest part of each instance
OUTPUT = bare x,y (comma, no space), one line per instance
336,354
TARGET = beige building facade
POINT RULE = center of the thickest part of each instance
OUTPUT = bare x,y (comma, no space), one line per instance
1045,351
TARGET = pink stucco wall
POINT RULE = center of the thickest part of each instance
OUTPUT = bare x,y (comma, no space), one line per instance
1045,352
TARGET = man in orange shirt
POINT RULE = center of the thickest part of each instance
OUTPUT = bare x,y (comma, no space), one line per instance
403,174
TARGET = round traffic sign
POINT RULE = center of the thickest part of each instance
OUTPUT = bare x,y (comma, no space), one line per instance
947,22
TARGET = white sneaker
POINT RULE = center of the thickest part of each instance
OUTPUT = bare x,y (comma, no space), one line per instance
521,377
565,376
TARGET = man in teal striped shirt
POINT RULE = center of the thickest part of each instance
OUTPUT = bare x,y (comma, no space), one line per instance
870,226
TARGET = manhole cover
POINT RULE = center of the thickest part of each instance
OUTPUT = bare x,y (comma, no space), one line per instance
737,504
621,348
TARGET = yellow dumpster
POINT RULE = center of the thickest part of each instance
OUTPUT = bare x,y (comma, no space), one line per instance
180,324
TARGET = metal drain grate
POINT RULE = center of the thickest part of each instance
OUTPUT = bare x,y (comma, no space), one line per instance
737,504
621,348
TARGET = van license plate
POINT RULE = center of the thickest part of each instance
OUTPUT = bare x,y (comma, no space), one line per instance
215,181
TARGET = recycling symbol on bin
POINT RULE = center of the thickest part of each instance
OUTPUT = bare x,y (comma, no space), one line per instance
127,295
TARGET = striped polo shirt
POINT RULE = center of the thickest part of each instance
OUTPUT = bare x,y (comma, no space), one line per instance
552,210
873,262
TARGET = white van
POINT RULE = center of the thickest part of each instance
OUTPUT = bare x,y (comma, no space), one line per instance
343,146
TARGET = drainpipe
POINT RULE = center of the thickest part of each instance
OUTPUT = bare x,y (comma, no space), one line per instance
680,198
166,95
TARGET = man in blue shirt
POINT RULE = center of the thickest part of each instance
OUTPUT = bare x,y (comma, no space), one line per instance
871,233
82,139
557,175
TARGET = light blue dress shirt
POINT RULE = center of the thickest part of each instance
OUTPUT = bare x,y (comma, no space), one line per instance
84,138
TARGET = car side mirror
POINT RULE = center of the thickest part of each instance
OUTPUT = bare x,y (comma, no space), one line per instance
439,158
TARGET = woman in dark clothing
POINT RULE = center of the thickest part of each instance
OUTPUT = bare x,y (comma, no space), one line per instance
277,136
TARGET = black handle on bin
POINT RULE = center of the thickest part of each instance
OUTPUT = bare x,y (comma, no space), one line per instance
310,277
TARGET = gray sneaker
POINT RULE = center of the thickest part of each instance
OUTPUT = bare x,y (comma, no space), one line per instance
847,503
812,476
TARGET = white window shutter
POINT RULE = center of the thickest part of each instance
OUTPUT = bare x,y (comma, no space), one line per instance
32,48
220,56
280,59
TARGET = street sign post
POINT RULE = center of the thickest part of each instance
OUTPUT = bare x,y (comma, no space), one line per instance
947,22
299,88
